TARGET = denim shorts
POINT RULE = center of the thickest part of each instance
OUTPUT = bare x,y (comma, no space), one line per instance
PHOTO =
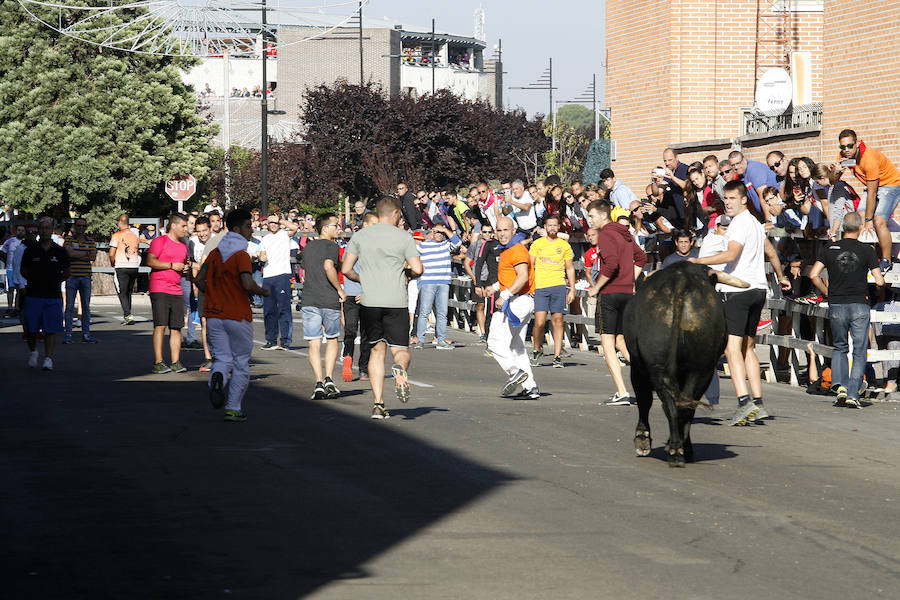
43,314
314,319
888,197
551,299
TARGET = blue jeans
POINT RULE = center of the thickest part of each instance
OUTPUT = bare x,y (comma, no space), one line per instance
277,309
434,295
258,279
81,285
187,292
852,319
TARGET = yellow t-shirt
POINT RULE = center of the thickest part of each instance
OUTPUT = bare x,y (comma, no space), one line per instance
550,258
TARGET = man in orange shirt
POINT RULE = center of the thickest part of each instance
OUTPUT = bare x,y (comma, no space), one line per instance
882,182
225,278
515,306
124,257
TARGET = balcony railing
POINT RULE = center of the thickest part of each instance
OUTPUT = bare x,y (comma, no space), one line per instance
800,117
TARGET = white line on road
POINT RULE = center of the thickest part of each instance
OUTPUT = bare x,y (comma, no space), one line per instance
301,353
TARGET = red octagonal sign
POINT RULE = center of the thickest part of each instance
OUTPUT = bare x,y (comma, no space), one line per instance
181,188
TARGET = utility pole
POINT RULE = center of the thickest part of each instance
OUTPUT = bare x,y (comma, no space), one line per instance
544,82
264,147
226,127
361,79
432,57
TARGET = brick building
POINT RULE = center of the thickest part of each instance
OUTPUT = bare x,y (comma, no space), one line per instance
683,73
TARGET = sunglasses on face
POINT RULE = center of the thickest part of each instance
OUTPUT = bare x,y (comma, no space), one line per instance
847,147
272,222
726,171
775,165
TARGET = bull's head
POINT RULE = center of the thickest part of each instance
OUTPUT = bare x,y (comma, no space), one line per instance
726,278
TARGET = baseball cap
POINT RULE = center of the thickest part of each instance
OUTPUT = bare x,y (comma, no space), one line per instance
723,220
419,236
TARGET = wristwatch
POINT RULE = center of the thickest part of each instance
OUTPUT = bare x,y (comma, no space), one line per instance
869,219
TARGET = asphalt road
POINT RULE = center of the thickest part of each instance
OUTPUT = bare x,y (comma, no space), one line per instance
121,484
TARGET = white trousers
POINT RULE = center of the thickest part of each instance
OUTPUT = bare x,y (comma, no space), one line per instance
231,343
507,342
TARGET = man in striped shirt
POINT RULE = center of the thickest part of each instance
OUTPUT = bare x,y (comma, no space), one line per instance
434,285
82,251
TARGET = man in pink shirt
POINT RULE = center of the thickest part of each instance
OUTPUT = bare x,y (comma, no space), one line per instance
167,257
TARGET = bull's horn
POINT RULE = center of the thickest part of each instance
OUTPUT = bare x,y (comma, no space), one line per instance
731,280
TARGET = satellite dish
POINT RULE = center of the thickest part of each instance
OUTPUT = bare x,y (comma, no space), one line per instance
774,92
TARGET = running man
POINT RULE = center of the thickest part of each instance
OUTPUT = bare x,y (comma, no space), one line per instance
515,304
553,266
383,251
322,299
226,277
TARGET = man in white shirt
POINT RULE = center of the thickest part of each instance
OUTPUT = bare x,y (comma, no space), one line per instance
213,206
523,206
6,255
745,259
275,256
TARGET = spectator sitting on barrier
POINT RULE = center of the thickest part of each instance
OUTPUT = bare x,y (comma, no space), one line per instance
805,195
619,193
778,165
574,220
840,198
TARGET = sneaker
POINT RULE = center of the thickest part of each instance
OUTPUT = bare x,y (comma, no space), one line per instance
618,399
319,391
380,412
566,352
417,345
884,264
217,390
89,339
762,413
515,380
48,364
129,320
33,359
763,323
743,414
331,390
853,403
177,367
160,368
271,346
445,345
535,358
488,353
863,387
67,339
532,394
401,382
234,416
841,397
347,371
482,339
557,362
206,367
363,376
76,323
413,340
283,345
192,345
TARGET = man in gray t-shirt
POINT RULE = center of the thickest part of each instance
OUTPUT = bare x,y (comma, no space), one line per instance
387,258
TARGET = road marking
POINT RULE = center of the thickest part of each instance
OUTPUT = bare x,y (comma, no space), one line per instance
301,353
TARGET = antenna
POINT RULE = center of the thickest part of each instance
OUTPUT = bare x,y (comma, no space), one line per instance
479,23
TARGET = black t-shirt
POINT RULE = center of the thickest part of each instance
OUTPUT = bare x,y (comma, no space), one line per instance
848,262
317,290
43,270
490,258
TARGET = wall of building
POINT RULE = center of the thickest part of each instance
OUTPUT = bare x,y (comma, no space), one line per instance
680,71
467,84
862,86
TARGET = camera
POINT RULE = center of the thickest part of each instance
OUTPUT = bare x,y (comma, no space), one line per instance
659,171
848,162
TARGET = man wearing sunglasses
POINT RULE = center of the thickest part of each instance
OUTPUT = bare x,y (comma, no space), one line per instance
882,180
778,164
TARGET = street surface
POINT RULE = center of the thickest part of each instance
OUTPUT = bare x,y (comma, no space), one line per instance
122,484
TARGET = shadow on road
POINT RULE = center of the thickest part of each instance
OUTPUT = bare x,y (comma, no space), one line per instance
409,414
118,484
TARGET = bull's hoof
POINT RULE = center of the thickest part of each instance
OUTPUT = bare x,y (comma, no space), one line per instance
642,442
676,457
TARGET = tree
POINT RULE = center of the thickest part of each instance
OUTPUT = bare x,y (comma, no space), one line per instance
597,160
576,116
95,131
566,161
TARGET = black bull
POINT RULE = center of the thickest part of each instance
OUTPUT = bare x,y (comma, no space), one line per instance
675,332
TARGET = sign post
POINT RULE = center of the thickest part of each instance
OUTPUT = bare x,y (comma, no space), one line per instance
180,189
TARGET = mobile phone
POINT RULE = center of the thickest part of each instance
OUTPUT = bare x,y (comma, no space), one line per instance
848,162
659,171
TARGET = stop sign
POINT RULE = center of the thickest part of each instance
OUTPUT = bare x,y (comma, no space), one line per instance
181,188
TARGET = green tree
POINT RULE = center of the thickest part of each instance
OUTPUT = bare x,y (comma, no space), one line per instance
95,131
571,146
576,116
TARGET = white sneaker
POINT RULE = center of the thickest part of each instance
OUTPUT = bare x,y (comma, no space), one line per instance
618,399
77,323
48,364
33,359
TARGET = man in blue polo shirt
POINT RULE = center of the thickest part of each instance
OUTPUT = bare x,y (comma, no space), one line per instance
434,285
756,176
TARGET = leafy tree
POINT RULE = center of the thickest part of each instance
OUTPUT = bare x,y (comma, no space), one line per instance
576,116
597,160
97,131
566,161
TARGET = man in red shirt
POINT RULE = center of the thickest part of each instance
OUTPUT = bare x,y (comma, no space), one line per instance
619,262
225,278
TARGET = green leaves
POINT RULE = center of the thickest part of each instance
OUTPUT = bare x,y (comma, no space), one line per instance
96,130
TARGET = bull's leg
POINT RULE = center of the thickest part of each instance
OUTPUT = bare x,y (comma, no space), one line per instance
675,446
643,393
686,417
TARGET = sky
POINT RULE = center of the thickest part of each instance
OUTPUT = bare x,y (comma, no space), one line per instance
572,32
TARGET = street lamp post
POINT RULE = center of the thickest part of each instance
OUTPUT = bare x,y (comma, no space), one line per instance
264,142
